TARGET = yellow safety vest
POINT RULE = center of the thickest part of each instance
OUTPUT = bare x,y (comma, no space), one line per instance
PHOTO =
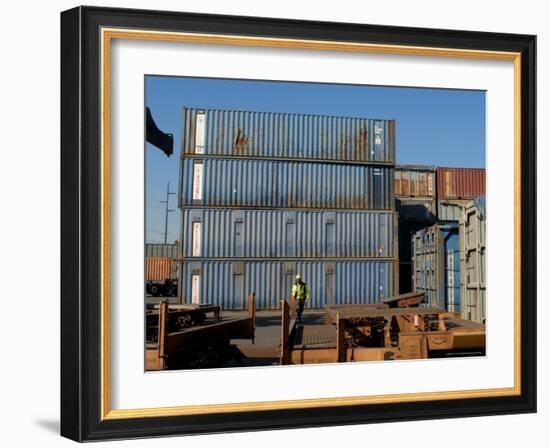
300,291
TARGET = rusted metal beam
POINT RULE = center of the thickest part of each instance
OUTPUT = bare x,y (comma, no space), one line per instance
340,339
175,310
162,334
293,307
389,312
285,322
152,361
258,351
333,310
252,307
405,300
468,340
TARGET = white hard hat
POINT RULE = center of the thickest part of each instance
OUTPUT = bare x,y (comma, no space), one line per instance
298,277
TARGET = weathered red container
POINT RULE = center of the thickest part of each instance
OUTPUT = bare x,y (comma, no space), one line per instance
460,183
160,269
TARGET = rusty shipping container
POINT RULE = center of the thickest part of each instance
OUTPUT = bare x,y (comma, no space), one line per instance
473,248
160,269
415,181
436,265
159,250
460,183
233,133
415,194
230,233
283,184
416,208
228,282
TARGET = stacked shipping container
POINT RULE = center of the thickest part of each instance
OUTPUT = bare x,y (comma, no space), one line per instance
415,193
265,196
436,265
230,233
425,195
456,187
224,183
161,262
159,250
160,269
449,263
230,133
416,206
472,246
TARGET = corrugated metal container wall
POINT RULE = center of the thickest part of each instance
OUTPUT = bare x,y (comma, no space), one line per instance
160,269
436,265
280,135
460,183
473,241
262,183
158,250
416,210
451,210
216,233
228,283
406,233
414,181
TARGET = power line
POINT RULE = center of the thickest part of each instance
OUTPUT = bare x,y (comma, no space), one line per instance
167,210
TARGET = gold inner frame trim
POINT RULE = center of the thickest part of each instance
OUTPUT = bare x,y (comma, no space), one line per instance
107,35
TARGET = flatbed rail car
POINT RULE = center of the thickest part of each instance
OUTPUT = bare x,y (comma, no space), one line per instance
378,332
186,337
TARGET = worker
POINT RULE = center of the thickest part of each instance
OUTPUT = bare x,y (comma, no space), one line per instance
300,292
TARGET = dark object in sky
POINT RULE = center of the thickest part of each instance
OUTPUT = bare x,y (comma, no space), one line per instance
163,141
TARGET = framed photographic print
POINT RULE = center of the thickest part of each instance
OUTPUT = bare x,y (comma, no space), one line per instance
275,224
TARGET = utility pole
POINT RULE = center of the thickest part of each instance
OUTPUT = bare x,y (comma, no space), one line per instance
167,210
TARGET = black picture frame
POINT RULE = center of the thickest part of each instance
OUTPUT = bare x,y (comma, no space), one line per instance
81,224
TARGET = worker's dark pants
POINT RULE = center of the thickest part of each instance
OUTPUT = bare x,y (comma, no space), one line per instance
301,303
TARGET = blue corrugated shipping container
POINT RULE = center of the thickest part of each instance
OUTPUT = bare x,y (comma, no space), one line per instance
282,135
266,183
226,233
228,283
436,265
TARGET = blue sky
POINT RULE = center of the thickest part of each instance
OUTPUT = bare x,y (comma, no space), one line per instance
433,126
